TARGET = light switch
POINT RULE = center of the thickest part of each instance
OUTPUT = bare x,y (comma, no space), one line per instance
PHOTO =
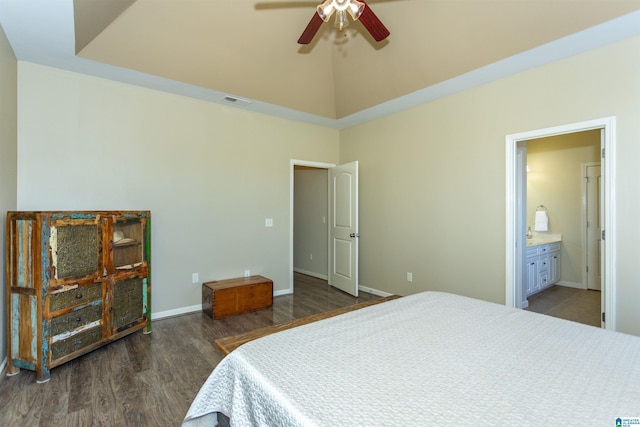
268,222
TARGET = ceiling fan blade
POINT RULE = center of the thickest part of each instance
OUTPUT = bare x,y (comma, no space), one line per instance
371,22
312,28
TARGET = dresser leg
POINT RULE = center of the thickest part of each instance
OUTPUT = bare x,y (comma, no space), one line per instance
12,370
42,376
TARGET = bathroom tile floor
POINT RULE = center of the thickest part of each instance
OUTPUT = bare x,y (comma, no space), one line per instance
578,305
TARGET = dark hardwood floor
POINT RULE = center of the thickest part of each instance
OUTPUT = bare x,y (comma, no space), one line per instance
149,380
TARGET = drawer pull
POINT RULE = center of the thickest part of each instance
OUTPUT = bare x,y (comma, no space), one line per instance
78,296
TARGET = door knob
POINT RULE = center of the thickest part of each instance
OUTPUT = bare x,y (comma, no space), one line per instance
354,235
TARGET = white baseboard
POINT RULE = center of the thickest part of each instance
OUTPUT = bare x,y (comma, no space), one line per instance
324,277
571,284
374,291
176,312
282,292
311,273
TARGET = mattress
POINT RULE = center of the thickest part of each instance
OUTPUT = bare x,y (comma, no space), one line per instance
429,359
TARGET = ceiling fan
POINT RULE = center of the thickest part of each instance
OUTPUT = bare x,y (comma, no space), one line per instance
358,10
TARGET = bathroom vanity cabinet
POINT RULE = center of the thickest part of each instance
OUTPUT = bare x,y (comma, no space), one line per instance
75,282
542,267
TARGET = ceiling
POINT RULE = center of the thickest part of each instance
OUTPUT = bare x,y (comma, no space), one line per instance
247,49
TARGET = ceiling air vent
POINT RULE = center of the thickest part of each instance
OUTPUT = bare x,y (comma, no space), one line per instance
236,101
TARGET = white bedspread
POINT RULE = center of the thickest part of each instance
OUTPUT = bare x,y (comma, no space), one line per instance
430,359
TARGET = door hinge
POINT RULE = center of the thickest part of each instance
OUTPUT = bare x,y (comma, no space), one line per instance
587,268
603,153
603,317
602,234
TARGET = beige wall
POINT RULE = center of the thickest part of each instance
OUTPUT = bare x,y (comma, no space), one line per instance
555,180
8,163
432,178
210,174
310,221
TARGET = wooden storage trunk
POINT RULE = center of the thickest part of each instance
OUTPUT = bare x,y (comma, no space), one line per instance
235,296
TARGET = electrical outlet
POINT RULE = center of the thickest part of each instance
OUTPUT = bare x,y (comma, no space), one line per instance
247,273
195,278
409,277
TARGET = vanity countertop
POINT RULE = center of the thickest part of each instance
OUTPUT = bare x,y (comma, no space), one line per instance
535,241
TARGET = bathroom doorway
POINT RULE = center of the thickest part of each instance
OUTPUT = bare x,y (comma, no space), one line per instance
515,238
558,182
563,181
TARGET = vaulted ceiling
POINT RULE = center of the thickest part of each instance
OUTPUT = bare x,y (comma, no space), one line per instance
247,48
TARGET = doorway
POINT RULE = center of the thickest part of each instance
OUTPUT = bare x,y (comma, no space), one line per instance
515,243
310,230
335,222
302,165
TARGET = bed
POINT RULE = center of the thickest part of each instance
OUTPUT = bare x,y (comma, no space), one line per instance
429,359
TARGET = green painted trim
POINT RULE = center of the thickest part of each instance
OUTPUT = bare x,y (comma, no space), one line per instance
147,255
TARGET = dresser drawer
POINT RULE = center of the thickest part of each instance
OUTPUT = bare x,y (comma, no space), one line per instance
76,319
79,295
75,342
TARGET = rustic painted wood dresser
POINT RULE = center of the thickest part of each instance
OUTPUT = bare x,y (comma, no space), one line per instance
75,282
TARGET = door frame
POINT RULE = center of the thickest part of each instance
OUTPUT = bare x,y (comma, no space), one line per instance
608,145
585,231
292,164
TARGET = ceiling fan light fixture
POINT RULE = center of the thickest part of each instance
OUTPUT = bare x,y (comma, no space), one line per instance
341,20
355,9
326,9
358,11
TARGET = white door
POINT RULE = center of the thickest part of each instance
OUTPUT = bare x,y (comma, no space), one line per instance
343,227
594,226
